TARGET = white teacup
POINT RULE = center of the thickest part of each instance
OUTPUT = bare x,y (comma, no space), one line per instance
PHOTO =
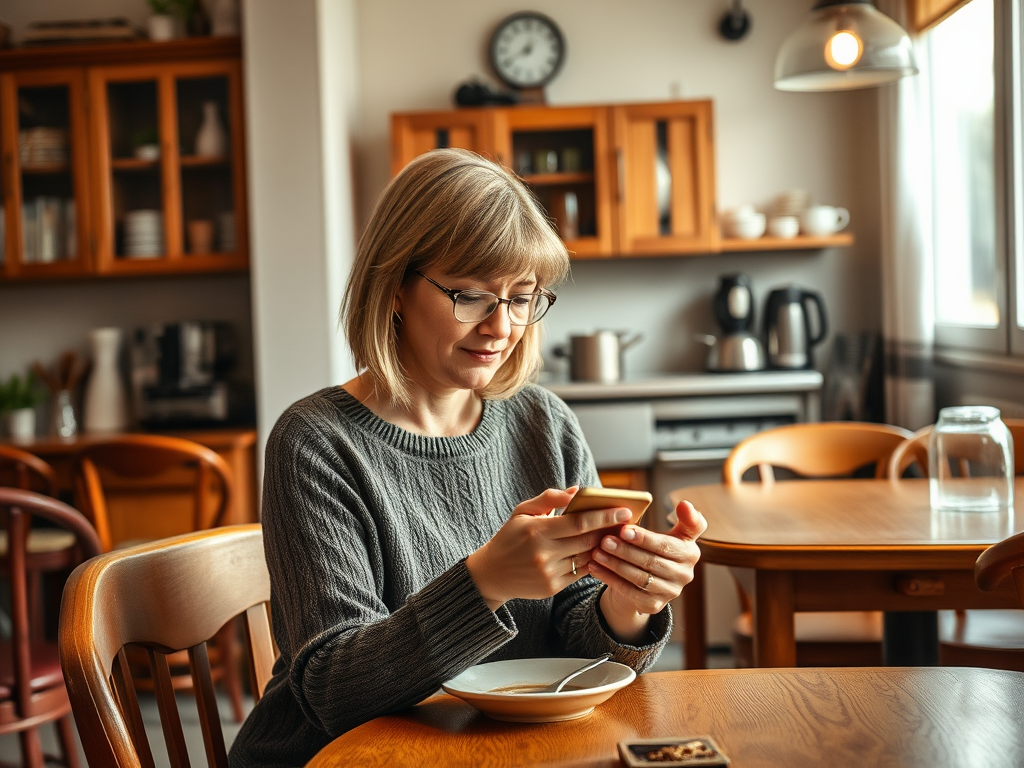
783,226
821,220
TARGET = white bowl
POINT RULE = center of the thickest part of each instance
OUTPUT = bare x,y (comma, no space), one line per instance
487,687
784,226
749,227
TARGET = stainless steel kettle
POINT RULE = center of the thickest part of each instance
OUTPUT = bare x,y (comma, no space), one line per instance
598,357
788,335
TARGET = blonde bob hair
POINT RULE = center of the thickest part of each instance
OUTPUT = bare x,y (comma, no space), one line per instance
467,216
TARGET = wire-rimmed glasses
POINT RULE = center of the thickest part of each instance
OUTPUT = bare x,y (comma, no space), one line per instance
474,306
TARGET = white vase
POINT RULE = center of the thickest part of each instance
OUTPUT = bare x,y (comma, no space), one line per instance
106,403
162,27
21,424
211,139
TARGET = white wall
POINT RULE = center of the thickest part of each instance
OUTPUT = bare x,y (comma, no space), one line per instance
299,96
414,54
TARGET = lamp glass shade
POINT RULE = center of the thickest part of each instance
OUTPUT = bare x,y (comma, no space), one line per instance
842,47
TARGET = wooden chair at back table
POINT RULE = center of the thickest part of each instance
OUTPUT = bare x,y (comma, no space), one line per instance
816,450
105,467
32,690
48,548
168,596
975,638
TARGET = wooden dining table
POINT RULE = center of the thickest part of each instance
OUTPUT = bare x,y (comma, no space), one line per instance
835,545
929,717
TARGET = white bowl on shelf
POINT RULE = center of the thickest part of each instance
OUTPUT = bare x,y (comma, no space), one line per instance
749,227
784,227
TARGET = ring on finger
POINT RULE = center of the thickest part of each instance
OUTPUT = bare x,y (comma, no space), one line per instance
650,578
573,560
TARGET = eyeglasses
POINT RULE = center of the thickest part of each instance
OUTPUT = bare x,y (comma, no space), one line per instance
477,306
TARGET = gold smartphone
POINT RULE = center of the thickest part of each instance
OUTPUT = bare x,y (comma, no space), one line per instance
587,499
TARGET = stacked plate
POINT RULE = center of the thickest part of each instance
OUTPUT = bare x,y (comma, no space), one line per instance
791,203
143,234
43,146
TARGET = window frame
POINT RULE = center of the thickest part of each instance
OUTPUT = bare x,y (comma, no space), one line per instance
1006,339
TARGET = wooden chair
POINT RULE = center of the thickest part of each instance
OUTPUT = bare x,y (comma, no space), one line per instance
103,465
816,450
48,548
32,688
975,638
169,595
1002,564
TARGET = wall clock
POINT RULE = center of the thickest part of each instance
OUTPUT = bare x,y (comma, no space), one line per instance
527,50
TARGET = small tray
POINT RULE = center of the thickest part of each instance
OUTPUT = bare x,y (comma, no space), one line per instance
686,751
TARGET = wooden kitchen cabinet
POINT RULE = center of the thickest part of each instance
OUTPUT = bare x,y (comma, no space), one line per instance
593,168
665,195
126,180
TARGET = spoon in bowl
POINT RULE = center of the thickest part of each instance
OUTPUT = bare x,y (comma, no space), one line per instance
557,686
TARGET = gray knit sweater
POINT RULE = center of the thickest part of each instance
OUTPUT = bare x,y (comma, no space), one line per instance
366,530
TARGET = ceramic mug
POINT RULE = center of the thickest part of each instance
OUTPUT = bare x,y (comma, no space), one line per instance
200,236
821,220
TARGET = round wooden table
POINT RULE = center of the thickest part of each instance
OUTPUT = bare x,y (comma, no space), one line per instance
945,717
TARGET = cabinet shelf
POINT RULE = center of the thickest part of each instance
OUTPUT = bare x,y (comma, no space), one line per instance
45,168
800,242
557,179
204,161
134,164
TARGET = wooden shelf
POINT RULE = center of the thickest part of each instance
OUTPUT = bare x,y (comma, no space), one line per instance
800,242
134,164
204,161
45,168
554,179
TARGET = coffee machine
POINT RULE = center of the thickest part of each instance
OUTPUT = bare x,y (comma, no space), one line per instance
180,374
737,349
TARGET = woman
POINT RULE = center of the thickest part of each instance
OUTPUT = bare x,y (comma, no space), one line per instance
405,513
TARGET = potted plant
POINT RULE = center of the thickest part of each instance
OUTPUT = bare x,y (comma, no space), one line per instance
163,24
146,143
18,400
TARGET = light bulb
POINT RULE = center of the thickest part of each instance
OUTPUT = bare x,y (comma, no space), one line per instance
843,50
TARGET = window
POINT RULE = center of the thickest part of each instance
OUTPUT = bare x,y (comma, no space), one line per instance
974,91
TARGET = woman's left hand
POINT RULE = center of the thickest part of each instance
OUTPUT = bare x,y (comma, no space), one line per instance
644,570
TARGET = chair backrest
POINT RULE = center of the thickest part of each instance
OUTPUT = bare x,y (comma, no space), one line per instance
915,450
819,449
145,456
21,469
169,595
1002,561
16,507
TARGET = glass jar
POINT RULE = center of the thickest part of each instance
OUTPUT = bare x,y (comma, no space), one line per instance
970,461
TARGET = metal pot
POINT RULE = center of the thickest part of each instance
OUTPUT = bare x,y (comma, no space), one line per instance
598,357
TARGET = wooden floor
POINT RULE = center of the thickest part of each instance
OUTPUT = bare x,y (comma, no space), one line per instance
671,658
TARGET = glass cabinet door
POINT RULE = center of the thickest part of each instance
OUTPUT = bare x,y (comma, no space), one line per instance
666,188
44,201
169,138
561,154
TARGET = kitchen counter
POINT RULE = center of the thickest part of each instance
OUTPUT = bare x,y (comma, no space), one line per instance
651,385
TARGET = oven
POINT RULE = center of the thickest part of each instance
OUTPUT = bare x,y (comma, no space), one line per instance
680,435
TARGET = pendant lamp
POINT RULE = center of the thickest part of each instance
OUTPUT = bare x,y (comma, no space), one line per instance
842,45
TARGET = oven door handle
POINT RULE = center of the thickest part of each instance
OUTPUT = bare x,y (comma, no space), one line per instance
702,455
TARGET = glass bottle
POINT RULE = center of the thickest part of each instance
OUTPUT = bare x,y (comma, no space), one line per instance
970,461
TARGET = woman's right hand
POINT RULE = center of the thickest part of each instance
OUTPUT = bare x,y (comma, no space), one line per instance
531,556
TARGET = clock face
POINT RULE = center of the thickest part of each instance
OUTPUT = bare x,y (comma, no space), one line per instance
527,50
